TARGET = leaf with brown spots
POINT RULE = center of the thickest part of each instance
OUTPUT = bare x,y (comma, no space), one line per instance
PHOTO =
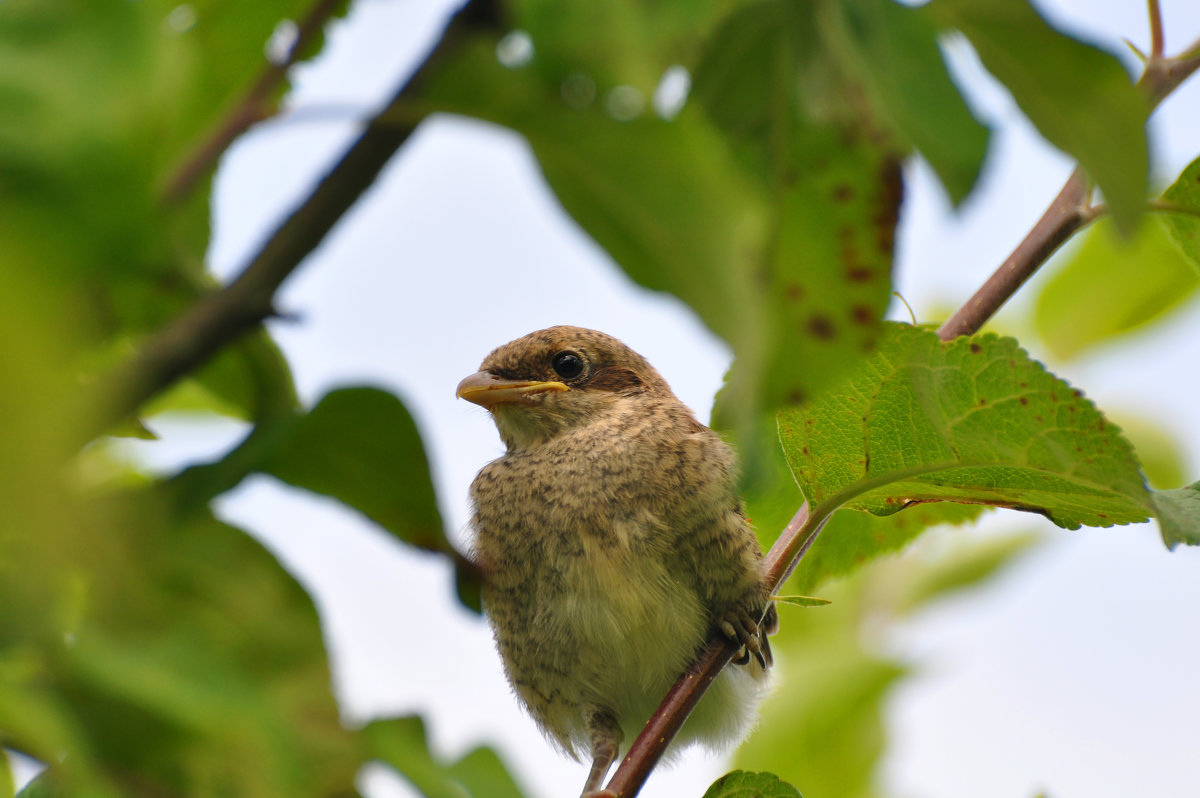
895,50
792,113
974,421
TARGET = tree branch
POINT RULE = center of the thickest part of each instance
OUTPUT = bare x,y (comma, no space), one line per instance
253,107
796,539
222,316
1066,214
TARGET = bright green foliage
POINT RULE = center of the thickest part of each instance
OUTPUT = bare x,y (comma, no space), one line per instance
400,742
1178,514
1185,227
743,784
125,659
1110,285
1078,96
974,420
148,648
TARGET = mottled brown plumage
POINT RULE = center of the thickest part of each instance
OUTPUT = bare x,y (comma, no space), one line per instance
613,545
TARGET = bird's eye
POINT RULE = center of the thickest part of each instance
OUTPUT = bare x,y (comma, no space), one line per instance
567,365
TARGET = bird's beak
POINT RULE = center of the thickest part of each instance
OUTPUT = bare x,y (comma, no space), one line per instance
486,389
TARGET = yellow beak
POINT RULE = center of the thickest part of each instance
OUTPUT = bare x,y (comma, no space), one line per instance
486,389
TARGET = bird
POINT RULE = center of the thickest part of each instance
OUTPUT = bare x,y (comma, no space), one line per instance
613,546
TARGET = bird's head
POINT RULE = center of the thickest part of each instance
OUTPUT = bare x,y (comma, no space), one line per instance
552,380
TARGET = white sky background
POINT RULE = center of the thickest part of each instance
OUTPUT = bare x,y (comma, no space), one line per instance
1073,673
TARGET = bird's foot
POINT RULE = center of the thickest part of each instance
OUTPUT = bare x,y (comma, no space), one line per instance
741,627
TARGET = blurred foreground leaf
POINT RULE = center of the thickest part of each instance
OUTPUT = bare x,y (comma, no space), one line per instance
743,784
896,47
173,655
1185,227
401,743
361,446
1110,285
1078,96
1178,514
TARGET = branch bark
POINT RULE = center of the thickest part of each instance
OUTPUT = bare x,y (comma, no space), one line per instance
1067,213
253,107
221,317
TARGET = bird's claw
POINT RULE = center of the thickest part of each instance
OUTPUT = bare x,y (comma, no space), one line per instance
740,627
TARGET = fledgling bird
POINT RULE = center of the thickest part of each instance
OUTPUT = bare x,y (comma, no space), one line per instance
613,545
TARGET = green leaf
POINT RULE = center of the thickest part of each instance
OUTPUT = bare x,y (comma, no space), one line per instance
7,785
1178,514
743,784
1185,227
973,420
1110,285
1078,96
165,655
401,743
800,601
896,49
361,446
833,194
204,670
483,774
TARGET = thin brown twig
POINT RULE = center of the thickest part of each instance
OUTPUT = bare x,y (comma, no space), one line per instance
253,107
1063,218
222,316
1157,41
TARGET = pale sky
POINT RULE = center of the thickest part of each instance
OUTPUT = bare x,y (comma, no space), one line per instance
1072,673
